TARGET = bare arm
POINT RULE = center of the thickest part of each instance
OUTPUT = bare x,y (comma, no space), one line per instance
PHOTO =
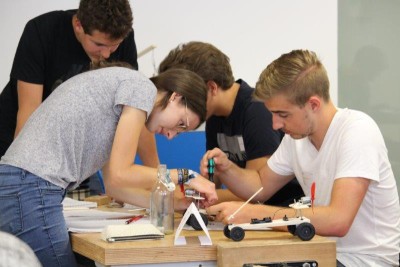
244,182
121,172
147,149
227,194
332,220
229,173
141,197
29,98
256,164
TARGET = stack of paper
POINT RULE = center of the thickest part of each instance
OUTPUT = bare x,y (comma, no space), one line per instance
73,204
92,220
81,217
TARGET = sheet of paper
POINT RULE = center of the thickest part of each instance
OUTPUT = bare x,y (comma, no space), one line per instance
77,225
134,208
73,204
95,214
92,226
93,220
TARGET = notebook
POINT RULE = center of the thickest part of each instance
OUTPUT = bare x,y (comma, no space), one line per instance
130,232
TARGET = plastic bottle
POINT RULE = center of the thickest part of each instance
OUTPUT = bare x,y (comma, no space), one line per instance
162,203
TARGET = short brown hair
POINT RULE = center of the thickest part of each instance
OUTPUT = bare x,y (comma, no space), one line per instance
298,75
202,58
112,17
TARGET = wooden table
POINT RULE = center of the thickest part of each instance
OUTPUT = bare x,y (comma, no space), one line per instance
257,246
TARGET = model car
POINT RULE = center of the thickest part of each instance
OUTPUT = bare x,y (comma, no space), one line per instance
299,226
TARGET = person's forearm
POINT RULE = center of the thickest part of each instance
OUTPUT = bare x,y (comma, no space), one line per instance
135,196
147,149
141,198
133,176
243,183
227,195
325,219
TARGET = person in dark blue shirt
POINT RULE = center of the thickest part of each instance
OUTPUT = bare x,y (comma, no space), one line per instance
236,123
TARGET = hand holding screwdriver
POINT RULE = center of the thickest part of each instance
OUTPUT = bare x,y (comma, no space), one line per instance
210,166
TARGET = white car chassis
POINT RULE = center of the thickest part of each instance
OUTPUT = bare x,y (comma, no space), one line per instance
299,226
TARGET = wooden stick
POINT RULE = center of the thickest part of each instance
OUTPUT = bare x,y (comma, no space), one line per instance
145,51
244,204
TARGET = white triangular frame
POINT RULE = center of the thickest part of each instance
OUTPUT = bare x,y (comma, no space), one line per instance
192,210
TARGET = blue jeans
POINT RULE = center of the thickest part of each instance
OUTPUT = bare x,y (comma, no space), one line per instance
31,209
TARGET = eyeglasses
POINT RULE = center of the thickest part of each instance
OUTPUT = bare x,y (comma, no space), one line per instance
183,127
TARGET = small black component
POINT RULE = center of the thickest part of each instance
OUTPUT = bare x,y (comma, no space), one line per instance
192,221
264,220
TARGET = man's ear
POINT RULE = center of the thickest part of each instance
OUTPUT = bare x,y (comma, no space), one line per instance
212,87
77,24
315,103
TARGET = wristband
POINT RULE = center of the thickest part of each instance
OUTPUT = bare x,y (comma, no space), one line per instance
180,179
184,177
192,175
169,183
180,176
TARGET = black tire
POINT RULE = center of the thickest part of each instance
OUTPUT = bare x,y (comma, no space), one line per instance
195,224
305,231
237,233
292,229
227,232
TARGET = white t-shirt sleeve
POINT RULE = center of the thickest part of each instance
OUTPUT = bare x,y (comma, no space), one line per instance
361,147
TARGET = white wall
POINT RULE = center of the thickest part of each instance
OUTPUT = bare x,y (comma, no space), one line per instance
252,33
14,14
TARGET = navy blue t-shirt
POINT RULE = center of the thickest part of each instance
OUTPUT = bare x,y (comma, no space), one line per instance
247,132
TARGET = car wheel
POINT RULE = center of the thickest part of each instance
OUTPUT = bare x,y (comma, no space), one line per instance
237,233
227,232
305,231
292,229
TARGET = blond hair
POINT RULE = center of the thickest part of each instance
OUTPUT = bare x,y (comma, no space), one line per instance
298,75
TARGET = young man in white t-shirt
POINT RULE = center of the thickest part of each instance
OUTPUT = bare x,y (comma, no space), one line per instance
342,151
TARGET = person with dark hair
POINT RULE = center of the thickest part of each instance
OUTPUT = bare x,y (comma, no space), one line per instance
93,121
58,45
238,125
340,154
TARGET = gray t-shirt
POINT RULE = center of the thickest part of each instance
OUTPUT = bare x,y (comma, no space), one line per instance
69,137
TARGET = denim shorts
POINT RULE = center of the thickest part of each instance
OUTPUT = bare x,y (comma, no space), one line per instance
31,209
